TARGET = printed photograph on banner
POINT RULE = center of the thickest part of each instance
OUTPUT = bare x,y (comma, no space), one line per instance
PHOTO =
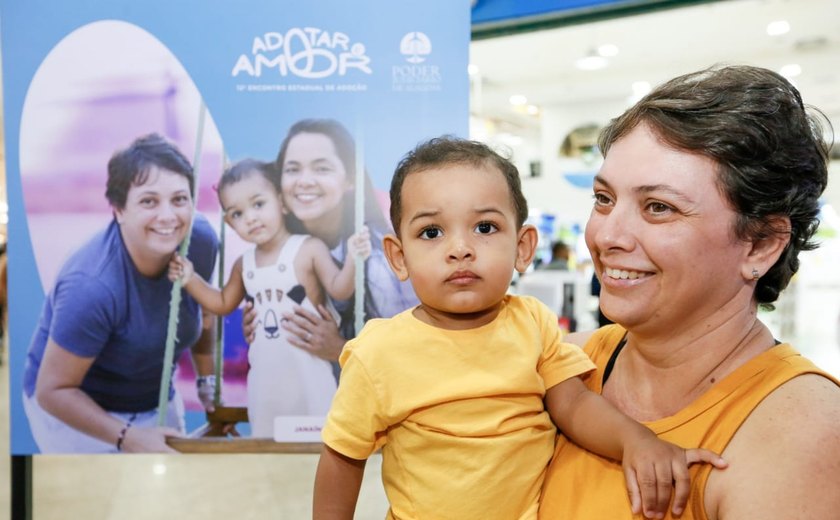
196,225
106,156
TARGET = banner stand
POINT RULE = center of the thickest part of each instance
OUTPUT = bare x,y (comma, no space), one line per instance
281,65
21,487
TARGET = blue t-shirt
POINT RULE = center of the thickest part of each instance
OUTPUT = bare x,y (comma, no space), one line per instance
102,307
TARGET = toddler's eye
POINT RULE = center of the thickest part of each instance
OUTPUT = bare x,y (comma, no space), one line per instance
430,233
485,228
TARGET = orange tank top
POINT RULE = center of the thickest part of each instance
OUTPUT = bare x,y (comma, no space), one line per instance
582,485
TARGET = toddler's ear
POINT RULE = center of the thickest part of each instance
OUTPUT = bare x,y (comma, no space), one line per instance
526,247
395,255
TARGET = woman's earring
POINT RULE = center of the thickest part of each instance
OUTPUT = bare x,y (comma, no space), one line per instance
755,275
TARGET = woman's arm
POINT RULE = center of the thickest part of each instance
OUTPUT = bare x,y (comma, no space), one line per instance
218,302
651,466
784,459
337,483
58,391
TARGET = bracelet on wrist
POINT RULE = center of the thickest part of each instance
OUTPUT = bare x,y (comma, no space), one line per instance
205,380
121,437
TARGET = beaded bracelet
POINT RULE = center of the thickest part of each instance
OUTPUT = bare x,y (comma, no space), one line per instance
121,438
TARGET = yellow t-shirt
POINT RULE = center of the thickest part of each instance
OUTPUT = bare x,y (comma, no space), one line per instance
582,485
459,415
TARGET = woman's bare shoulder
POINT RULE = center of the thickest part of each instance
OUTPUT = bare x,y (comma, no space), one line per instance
791,436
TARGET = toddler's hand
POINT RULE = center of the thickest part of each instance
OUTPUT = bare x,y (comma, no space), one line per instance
359,244
653,467
180,267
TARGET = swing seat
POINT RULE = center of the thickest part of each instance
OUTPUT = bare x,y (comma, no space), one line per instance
219,435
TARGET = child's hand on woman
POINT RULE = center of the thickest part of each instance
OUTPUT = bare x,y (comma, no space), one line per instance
652,467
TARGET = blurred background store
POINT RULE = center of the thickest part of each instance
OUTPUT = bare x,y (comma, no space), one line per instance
542,84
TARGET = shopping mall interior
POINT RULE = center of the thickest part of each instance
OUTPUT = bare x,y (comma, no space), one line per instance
539,90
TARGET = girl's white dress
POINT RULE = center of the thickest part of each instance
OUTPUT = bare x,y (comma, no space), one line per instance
282,379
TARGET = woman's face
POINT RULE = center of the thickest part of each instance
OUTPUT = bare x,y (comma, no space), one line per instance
156,216
661,237
314,180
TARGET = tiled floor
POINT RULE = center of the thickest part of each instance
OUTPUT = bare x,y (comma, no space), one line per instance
225,487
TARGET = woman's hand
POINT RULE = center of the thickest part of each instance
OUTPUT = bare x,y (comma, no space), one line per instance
148,440
314,333
359,244
249,322
653,467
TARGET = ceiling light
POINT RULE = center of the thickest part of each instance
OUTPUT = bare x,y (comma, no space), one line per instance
533,110
472,69
607,50
791,70
518,100
778,27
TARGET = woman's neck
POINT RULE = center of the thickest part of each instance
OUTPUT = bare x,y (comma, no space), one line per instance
148,266
327,228
655,376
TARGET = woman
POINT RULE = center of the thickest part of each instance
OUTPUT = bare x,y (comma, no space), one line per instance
317,165
93,371
708,192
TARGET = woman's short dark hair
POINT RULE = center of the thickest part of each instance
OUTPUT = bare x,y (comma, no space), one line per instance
132,166
770,150
447,151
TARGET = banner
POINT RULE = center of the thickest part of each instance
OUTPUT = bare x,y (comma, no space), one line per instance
315,103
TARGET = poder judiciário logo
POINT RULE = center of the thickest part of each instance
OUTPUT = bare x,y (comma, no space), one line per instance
417,76
307,52
415,46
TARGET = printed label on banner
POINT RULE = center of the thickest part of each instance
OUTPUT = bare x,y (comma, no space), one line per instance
418,74
298,428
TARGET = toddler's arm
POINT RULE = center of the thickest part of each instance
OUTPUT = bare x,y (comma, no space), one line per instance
340,284
337,483
218,302
651,466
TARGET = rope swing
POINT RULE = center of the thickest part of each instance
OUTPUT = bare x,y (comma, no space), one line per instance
359,307
175,296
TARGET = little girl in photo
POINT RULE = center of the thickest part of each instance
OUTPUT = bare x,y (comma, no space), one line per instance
282,270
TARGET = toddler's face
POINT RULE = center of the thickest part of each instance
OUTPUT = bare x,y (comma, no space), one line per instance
253,208
459,236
